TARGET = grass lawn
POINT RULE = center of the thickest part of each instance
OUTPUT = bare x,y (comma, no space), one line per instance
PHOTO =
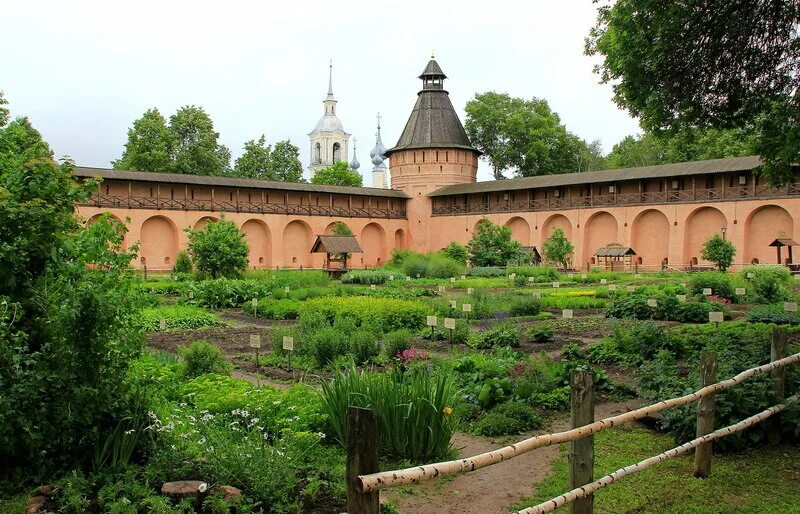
765,479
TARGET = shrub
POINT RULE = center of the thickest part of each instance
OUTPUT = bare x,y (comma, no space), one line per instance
571,302
183,263
415,266
400,256
540,274
274,309
781,274
500,335
557,248
363,346
177,317
634,306
441,266
718,250
395,342
525,307
767,288
379,314
493,245
631,344
495,424
202,357
486,272
326,344
456,252
375,276
224,292
520,412
721,284
772,314
413,409
541,333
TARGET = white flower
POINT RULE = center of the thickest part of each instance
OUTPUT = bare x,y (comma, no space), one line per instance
202,487
202,440
321,435
205,418
129,432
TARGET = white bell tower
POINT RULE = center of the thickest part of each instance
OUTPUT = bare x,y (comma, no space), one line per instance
329,141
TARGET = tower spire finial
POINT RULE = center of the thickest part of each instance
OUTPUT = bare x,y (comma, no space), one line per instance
330,79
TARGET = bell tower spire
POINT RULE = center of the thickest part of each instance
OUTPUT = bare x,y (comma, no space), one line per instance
329,141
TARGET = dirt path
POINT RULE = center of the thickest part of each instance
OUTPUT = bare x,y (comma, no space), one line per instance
493,489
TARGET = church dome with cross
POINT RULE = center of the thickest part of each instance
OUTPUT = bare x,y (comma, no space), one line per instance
328,141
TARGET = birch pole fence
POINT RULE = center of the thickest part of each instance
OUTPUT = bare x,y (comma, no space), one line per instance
381,480
584,491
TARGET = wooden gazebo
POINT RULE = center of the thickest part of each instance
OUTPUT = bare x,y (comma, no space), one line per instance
780,243
532,254
336,250
613,256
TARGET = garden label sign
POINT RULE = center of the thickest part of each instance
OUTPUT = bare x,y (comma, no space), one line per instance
373,287
441,289
603,281
531,279
450,323
715,317
463,277
255,341
556,285
288,343
254,301
470,290
790,306
162,324
750,275
452,304
452,280
537,296
408,279
431,321
191,295
651,302
467,307
612,287
630,289
740,291
286,289
706,291
567,313
681,297
391,277
583,275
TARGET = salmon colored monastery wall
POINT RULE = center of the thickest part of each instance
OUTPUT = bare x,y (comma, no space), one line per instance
675,231
274,240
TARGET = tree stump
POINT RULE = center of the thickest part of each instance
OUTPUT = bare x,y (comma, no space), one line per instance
229,493
184,488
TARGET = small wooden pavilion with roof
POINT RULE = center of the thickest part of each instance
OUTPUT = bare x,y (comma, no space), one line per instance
616,257
336,249
780,243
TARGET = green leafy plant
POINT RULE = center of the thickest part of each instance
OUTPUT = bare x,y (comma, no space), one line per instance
177,317
183,263
492,245
718,250
500,335
557,248
202,357
456,252
219,249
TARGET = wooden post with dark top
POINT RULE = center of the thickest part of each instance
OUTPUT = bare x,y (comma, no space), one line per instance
581,452
362,459
705,414
779,343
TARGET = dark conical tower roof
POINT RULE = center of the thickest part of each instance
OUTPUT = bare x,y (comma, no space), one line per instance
433,122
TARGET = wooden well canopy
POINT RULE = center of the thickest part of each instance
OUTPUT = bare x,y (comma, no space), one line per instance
614,255
780,243
336,249
532,254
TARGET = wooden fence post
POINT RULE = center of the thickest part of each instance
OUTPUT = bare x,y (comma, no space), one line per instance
779,344
705,414
362,459
581,452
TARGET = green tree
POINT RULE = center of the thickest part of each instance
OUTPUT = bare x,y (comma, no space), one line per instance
341,229
718,250
284,162
255,160
5,115
66,304
557,248
150,145
457,252
219,249
197,148
635,151
492,245
524,135
695,64
183,263
337,174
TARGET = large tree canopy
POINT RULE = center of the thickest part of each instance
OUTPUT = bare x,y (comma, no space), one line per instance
526,136
188,144
254,161
687,145
337,174
697,63
150,145
284,162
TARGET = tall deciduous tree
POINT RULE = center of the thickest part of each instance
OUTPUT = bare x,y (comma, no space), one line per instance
150,145
707,64
219,249
337,174
255,160
718,250
493,245
197,147
525,136
284,162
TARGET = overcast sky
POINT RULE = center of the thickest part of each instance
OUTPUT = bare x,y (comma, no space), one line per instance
84,70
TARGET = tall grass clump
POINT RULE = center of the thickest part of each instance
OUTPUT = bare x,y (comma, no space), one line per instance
413,409
374,276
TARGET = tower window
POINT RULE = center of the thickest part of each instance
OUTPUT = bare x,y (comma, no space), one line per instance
337,152
317,152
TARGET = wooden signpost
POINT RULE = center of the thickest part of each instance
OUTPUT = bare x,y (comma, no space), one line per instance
255,342
603,281
567,314
707,291
450,324
162,324
288,345
556,285
453,304
466,309
431,322
254,303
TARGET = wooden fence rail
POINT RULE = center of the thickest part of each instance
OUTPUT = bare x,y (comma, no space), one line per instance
417,474
588,489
